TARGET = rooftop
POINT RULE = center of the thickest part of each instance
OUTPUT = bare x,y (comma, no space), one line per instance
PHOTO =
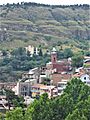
41,86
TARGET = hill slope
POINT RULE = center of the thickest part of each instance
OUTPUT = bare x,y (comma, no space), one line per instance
29,23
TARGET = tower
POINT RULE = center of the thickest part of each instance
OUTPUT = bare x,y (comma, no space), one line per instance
53,56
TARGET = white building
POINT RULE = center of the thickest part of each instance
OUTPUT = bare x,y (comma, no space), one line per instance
61,86
24,88
85,78
33,50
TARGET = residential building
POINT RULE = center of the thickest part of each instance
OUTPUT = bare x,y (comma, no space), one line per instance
57,77
33,50
24,88
61,86
39,89
32,74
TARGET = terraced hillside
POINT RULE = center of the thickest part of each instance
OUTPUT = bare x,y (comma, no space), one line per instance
29,23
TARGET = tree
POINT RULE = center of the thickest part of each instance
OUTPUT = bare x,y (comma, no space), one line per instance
39,109
73,104
46,81
2,116
40,52
16,114
77,61
68,53
19,51
13,100
87,53
76,116
4,52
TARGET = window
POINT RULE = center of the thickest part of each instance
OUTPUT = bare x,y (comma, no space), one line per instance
84,78
59,91
54,59
24,88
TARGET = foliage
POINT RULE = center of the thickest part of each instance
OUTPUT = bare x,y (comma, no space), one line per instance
46,81
87,53
16,114
14,100
68,53
73,104
12,67
77,61
39,109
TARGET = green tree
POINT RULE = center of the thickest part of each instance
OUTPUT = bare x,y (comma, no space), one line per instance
68,53
19,51
76,116
13,100
39,109
73,104
16,114
46,81
77,61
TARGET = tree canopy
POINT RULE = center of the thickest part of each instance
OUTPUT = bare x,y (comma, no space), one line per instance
73,104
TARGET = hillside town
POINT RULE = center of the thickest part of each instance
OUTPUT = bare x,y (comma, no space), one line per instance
44,60
51,78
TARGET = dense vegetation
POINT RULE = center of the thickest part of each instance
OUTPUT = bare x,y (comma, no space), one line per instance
12,67
31,23
15,63
12,99
65,27
73,104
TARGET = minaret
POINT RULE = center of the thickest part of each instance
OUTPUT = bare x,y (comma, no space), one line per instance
53,56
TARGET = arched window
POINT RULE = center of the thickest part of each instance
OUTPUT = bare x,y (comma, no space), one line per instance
54,59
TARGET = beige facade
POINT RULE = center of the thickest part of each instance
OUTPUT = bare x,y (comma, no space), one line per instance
32,50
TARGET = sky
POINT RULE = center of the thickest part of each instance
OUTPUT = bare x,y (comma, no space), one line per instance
51,2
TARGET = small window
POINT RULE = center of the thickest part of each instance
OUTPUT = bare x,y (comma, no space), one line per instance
54,59
84,78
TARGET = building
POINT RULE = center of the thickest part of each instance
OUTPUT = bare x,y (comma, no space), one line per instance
32,50
59,77
61,86
58,70
87,65
32,74
39,89
24,88
7,85
82,74
58,66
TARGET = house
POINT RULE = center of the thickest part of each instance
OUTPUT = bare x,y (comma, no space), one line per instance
83,76
42,77
39,89
24,88
87,65
7,85
57,77
32,50
32,74
61,86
